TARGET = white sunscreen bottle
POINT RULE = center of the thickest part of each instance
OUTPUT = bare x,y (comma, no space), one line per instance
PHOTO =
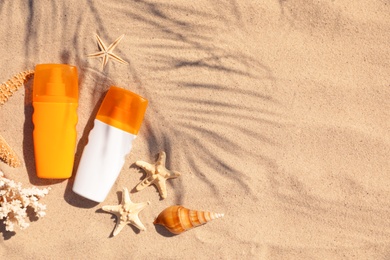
116,125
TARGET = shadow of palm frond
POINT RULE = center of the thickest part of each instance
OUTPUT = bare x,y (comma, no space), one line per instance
207,78
216,93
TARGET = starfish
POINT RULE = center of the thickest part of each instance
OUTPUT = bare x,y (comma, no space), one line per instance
127,212
106,53
7,89
157,174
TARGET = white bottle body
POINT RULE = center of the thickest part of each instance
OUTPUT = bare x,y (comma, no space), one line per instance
102,160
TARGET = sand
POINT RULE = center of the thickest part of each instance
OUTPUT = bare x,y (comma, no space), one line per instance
275,112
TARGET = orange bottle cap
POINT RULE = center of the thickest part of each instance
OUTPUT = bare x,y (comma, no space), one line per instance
55,83
122,109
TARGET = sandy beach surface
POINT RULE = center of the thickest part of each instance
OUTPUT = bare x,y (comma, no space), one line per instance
276,112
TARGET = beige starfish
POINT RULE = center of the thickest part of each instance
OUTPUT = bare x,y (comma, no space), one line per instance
157,174
127,212
7,89
106,53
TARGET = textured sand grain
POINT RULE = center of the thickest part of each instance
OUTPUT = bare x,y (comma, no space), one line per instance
275,112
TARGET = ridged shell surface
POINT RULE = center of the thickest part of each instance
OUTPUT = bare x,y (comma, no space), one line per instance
178,219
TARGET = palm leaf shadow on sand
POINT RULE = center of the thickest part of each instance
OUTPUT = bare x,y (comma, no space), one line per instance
224,86
185,44
204,119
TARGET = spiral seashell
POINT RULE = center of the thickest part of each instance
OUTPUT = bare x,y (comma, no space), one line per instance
178,219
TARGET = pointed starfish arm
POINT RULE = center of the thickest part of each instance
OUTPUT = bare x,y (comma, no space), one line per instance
145,182
137,223
112,209
105,60
125,196
101,43
162,188
174,174
135,220
119,226
115,43
146,166
162,157
117,58
140,206
96,54
144,204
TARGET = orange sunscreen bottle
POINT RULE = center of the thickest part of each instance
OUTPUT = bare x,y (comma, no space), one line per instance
55,101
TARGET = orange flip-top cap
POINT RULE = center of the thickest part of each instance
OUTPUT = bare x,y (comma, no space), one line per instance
123,109
55,83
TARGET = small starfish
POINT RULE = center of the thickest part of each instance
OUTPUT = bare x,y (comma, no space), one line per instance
157,174
7,89
127,212
106,53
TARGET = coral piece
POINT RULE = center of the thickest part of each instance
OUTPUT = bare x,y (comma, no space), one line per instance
157,174
14,202
127,212
178,219
106,53
8,88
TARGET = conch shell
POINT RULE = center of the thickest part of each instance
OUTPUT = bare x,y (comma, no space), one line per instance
178,219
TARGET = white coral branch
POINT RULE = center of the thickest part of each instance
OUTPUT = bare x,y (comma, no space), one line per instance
14,201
